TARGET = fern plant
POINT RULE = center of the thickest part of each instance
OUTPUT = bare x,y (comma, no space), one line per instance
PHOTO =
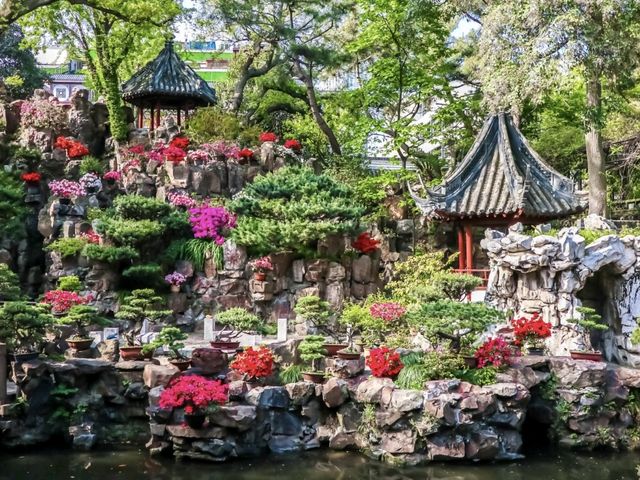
196,251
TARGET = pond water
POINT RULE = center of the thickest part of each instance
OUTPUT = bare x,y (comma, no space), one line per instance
319,465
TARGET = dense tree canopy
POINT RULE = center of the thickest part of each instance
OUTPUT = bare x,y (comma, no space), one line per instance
18,70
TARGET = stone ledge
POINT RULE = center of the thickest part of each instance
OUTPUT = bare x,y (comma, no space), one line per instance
180,431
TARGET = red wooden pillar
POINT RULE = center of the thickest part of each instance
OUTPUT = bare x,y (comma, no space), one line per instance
140,117
468,247
179,119
462,252
151,119
157,116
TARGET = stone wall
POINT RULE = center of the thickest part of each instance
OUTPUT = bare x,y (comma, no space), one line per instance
557,274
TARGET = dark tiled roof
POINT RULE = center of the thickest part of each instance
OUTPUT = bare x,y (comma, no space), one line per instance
501,175
167,76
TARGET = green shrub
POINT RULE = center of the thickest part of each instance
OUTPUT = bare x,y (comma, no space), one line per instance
236,321
146,274
22,326
9,284
82,317
136,207
291,209
91,164
139,305
70,283
177,224
312,350
12,208
67,247
290,374
105,254
421,367
131,232
213,123
170,337
480,376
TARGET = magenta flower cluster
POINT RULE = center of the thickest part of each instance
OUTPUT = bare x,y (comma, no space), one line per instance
198,156
112,175
66,188
179,199
229,150
211,222
262,264
388,311
175,278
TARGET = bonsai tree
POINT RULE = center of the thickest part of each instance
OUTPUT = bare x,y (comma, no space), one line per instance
9,284
457,324
377,323
170,338
137,307
312,350
236,321
22,326
317,312
590,322
81,317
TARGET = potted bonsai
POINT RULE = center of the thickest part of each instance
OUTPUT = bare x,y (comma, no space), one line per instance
255,364
589,322
531,332
169,338
22,328
260,268
235,321
140,305
175,281
317,312
196,395
311,351
81,317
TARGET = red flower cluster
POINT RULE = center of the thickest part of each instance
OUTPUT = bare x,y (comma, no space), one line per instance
254,362
384,362
387,311
180,142
495,351
530,329
193,392
91,236
365,244
74,149
31,177
61,300
268,137
246,153
137,149
174,154
293,145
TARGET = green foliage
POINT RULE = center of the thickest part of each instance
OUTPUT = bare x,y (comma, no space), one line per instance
480,376
457,324
91,164
136,207
139,305
22,326
67,247
373,330
590,319
373,189
421,367
237,320
9,284
146,274
70,283
291,209
212,123
12,207
455,286
290,374
131,232
109,254
19,68
196,251
170,337
368,426
312,309
81,317
311,349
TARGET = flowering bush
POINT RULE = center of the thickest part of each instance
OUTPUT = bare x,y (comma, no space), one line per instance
365,244
268,137
74,149
246,153
157,153
42,114
388,311
384,362
180,142
31,177
175,278
530,331
193,393
198,156
211,222
262,264
61,301
254,362
136,149
91,237
179,199
113,175
132,164
174,154
222,148
293,145
90,180
66,188
495,351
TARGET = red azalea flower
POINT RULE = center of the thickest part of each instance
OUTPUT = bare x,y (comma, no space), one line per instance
530,329
268,137
384,362
62,300
246,153
137,149
365,244
31,177
254,362
174,154
495,351
293,145
193,392
180,142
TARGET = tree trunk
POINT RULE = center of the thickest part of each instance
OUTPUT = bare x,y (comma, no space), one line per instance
315,109
115,106
595,152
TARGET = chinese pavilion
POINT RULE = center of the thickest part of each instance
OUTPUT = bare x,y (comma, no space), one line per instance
166,83
501,181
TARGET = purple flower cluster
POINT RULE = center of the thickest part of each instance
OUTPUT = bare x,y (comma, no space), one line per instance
90,180
66,188
211,222
175,278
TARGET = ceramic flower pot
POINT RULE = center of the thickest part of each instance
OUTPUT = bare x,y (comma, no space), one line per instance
470,361
333,348
175,288
181,364
82,344
313,377
535,351
64,201
224,345
260,276
22,357
195,420
131,353
349,355
582,355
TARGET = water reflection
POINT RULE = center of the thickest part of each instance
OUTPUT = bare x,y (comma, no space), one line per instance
136,464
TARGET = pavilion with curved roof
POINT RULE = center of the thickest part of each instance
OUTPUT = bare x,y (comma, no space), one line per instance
167,83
